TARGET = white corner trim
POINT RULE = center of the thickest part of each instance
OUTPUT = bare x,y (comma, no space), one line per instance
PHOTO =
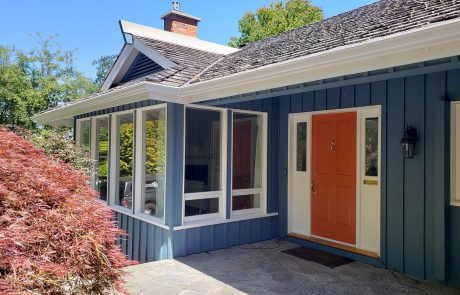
174,38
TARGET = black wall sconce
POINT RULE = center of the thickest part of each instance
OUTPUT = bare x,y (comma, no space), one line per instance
408,142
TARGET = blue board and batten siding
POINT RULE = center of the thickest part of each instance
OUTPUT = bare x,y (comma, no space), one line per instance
420,232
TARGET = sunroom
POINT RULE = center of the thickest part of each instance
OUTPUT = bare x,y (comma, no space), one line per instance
214,158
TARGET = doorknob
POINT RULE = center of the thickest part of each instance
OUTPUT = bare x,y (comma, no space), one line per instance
312,187
333,146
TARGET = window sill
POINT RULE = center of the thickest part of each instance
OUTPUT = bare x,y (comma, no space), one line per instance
221,221
455,203
139,217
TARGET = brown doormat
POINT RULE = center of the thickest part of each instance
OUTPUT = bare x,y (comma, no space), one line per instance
318,256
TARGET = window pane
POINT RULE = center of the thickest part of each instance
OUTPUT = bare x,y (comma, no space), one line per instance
102,137
154,126
246,202
371,146
301,152
247,151
200,207
125,125
202,151
85,131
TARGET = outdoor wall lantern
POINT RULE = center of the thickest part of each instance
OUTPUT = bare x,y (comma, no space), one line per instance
408,142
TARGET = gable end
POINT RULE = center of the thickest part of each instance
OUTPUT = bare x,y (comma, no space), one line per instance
142,66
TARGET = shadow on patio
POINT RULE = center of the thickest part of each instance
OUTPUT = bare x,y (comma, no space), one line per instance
262,268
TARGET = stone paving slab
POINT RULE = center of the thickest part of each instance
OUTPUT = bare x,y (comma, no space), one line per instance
261,268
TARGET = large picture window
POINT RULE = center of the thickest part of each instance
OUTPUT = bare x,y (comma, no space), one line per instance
204,164
248,162
101,154
123,155
152,155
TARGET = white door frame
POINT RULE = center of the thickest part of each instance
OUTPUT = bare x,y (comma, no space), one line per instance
299,202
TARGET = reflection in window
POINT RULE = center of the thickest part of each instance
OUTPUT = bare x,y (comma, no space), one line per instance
201,207
202,151
102,156
125,128
246,202
247,158
371,146
301,147
85,134
154,151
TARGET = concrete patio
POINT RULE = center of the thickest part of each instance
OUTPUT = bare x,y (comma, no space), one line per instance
262,268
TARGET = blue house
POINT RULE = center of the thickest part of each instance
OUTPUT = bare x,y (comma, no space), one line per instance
343,135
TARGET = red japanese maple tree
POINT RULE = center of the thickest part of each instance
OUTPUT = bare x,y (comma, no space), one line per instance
55,236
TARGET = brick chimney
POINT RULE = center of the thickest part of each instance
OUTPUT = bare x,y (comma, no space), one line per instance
179,22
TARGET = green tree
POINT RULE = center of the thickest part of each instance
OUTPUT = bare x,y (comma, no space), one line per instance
275,19
31,82
104,65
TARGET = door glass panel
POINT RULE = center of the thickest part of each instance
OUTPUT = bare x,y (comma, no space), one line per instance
301,147
125,124
154,126
371,147
102,154
201,207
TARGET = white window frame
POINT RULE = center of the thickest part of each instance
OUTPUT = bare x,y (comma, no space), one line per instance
78,131
94,149
222,194
114,161
262,191
139,158
455,153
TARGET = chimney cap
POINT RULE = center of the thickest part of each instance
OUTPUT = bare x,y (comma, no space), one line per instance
180,13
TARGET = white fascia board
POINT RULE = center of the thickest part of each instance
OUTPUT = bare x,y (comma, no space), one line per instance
174,38
134,93
433,42
122,63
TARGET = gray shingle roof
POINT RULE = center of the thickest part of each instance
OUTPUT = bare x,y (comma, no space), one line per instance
379,19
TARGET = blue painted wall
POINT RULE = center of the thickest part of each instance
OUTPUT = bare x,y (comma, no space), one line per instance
420,231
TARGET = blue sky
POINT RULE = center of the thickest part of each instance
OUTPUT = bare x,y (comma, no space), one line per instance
91,26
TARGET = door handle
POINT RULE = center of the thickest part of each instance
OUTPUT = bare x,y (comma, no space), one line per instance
312,188
332,146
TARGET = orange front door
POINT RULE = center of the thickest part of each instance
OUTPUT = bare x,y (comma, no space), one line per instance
333,197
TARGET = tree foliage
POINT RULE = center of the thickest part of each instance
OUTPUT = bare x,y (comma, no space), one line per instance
55,236
104,65
275,19
31,82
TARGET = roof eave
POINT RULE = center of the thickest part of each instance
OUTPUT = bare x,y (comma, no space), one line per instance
433,42
134,93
